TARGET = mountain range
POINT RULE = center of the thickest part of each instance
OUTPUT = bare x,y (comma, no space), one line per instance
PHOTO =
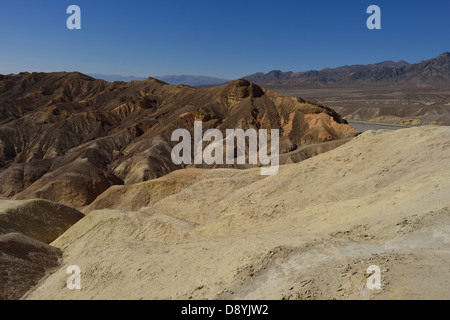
433,71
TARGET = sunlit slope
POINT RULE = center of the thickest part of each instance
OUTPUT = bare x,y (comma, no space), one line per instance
309,232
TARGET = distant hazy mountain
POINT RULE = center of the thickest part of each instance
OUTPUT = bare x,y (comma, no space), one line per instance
432,71
192,80
112,78
176,80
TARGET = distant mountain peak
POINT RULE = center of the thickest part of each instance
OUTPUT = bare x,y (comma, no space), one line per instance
445,55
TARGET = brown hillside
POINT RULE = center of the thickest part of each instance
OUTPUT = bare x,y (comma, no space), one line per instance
67,137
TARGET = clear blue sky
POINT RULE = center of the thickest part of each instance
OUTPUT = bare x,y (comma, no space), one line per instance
227,39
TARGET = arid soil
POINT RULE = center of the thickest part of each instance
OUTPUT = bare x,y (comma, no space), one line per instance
309,232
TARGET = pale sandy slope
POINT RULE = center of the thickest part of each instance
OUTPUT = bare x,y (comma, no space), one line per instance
309,232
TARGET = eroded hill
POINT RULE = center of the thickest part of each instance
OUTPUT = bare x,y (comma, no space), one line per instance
68,137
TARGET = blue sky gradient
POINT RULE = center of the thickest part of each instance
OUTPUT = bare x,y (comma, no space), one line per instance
226,39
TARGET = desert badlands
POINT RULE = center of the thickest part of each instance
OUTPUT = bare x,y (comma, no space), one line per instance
309,232
224,159
137,226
